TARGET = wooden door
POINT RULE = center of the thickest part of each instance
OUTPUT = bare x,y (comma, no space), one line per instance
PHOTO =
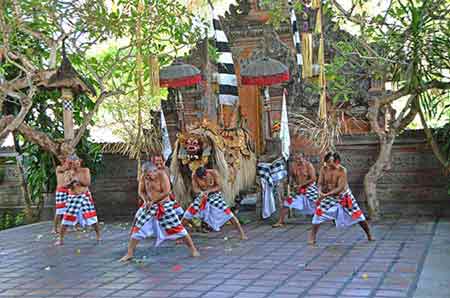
251,106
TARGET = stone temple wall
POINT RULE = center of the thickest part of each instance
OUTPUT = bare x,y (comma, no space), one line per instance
416,184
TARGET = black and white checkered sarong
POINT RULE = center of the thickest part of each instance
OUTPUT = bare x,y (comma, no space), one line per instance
215,199
310,192
61,196
346,199
211,209
80,207
164,212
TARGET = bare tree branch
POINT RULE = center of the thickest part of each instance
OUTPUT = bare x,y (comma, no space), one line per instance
39,138
397,122
10,122
91,114
434,146
411,115
389,98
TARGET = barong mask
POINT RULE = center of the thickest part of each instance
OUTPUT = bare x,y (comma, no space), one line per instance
194,151
194,148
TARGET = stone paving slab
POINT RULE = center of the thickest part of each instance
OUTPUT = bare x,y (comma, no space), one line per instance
411,258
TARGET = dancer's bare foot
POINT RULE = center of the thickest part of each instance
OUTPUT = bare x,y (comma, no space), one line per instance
59,242
126,258
195,254
311,240
370,238
278,225
244,237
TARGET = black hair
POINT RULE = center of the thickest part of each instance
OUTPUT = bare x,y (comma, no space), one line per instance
332,155
336,156
200,172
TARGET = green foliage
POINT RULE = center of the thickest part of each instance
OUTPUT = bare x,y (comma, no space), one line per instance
167,30
442,136
131,31
275,10
213,53
46,116
11,219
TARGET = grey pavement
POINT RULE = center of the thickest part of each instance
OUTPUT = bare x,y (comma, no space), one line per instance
411,258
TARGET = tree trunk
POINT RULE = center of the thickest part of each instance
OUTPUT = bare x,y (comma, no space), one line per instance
383,162
376,171
29,215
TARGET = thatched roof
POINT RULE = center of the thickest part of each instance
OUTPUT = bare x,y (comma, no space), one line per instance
67,77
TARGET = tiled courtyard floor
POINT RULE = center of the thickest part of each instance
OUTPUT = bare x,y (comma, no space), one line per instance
411,258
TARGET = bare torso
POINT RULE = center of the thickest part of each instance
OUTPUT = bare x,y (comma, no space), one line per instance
153,187
60,177
208,182
333,178
80,174
303,173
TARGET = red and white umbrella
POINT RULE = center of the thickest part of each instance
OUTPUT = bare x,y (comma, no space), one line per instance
179,75
176,76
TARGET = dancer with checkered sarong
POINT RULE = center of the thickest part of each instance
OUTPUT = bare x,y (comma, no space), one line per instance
157,217
61,193
336,201
80,205
158,161
209,204
305,193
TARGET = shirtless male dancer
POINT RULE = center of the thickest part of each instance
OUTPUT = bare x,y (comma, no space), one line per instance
304,195
61,194
157,216
80,205
336,201
158,160
209,204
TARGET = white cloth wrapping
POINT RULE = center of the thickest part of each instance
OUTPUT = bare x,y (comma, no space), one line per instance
341,217
270,175
167,148
302,204
284,130
268,200
211,209
343,209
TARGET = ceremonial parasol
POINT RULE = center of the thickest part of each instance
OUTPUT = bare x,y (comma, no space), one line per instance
69,82
176,76
265,72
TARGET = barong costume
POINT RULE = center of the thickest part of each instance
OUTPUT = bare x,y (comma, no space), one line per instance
211,209
342,208
304,199
160,220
